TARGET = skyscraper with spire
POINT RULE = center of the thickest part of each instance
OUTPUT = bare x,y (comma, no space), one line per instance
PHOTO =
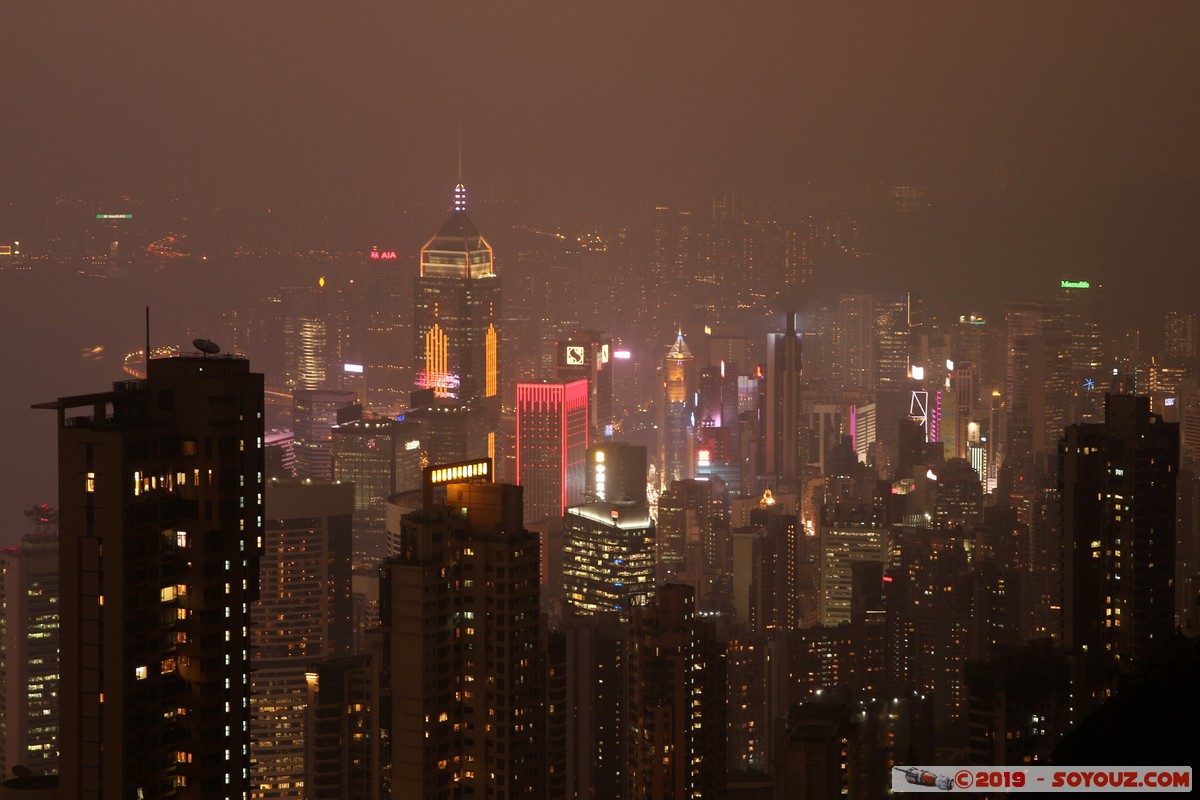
677,423
457,300
456,323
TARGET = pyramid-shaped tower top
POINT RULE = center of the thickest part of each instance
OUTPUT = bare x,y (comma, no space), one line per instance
458,249
680,348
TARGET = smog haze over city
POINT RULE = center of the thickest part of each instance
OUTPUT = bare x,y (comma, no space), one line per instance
1042,139
614,400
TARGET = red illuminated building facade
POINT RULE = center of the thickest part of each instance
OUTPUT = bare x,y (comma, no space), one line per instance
552,440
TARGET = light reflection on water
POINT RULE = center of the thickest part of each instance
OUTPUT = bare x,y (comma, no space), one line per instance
52,317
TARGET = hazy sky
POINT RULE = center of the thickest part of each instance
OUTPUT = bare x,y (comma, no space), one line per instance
346,92
1095,107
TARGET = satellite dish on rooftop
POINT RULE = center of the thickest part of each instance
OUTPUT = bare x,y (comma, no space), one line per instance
206,346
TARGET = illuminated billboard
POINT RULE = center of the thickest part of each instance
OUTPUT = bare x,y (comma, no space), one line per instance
114,216
1076,284
463,471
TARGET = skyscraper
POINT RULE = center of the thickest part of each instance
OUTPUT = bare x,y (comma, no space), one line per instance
1038,384
1080,301
1117,483
608,556
842,546
303,614
314,413
784,375
615,471
380,457
1181,336
457,311
552,438
676,694
854,363
161,520
587,355
464,688
29,667
692,526
676,417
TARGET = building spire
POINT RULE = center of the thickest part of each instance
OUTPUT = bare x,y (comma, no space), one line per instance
460,191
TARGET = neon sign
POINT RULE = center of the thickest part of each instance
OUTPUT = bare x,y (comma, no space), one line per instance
114,216
1076,284
384,255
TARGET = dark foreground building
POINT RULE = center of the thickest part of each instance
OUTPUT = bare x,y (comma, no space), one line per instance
161,519
1117,484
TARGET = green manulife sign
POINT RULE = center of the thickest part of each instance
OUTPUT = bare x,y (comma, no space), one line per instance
1076,284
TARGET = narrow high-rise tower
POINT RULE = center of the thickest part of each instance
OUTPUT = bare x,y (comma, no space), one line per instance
463,713
161,530
457,311
29,666
677,418
783,411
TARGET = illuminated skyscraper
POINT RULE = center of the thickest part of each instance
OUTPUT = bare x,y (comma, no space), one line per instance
842,546
303,614
29,666
1181,336
380,457
552,438
608,558
692,528
891,341
457,312
463,713
161,530
314,413
677,413
854,354
1080,301
588,355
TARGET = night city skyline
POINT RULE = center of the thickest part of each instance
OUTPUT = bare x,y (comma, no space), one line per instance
651,401
1083,111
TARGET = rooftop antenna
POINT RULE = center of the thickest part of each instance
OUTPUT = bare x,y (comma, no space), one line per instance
147,353
460,191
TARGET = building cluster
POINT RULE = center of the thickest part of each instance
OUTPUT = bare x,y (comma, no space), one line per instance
647,563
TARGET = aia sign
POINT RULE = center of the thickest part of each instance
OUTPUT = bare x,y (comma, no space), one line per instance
383,255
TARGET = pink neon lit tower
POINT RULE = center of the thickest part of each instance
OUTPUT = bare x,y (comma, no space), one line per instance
552,439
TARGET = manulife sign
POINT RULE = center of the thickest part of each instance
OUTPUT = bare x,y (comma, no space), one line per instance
1076,284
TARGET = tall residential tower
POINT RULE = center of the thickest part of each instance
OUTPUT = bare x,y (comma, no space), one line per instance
161,530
